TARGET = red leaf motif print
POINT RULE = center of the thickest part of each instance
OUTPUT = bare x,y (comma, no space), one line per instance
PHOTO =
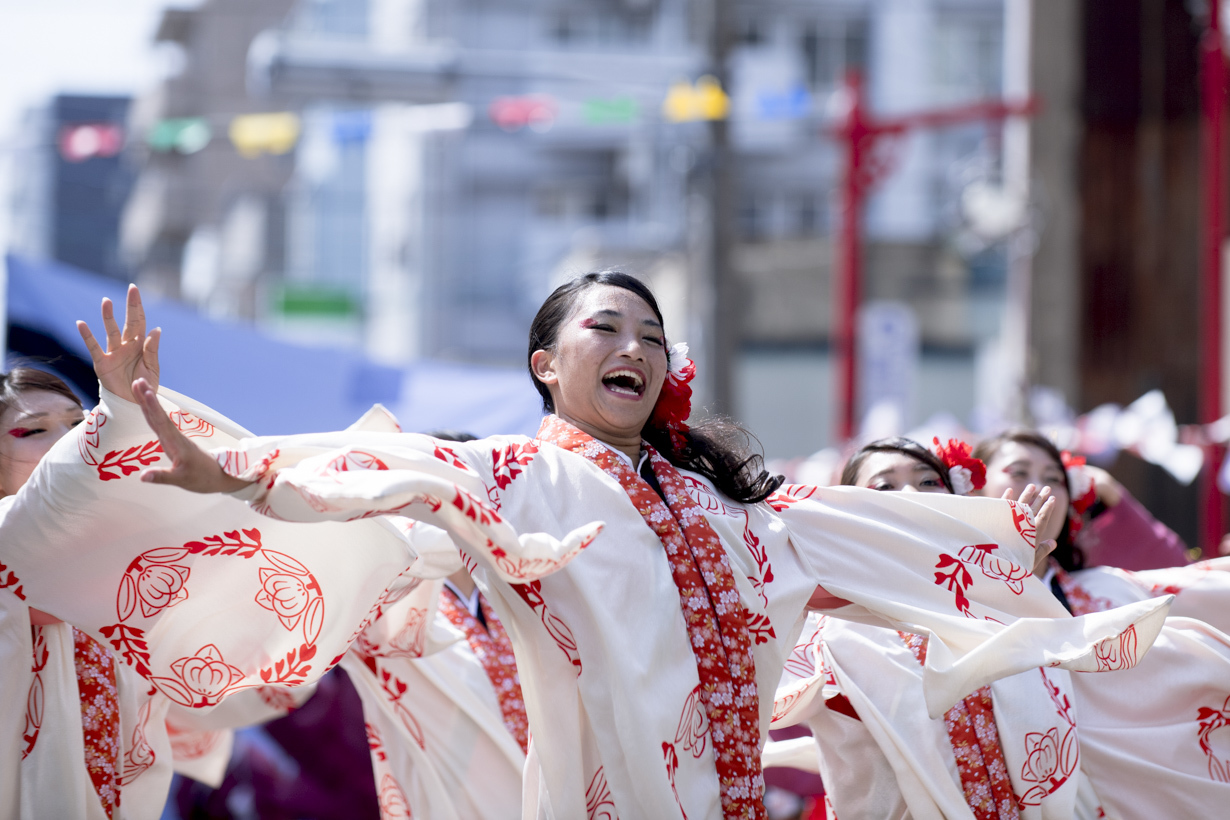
1211,719
293,669
394,689
374,743
1117,652
474,509
760,627
393,802
790,494
10,581
508,462
957,580
598,802
130,642
128,461
449,456
531,593
693,731
202,679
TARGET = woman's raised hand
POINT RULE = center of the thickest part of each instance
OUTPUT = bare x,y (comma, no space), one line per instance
191,467
1046,525
130,354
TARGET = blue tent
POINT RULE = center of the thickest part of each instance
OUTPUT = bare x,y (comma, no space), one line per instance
267,385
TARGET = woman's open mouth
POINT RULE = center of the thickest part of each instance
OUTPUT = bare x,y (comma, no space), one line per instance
625,383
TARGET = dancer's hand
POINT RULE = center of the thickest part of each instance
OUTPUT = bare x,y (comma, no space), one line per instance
1047,523
131,354
191,467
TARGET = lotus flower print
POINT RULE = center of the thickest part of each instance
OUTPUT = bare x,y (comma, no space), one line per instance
205,676
283,594
160,586
1042,752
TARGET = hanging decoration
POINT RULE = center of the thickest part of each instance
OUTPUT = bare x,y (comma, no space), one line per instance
84,141
535,111
184,135
256,134
690,103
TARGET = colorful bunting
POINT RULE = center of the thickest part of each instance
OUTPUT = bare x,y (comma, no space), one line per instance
88,140
256,134
703,101
185,135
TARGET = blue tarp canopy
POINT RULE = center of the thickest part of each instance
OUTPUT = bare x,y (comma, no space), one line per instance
267,385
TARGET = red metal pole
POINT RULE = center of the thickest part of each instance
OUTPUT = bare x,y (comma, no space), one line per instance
848,270
1213,96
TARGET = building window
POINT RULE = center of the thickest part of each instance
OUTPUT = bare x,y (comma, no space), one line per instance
831,48
600,26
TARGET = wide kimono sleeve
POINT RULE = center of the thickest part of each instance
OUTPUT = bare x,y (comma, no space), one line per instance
200,595
957,569
352,476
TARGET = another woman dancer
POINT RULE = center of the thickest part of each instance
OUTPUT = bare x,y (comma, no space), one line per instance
1150,737
859,689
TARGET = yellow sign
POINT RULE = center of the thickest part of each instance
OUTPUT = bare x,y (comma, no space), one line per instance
256,134
704,101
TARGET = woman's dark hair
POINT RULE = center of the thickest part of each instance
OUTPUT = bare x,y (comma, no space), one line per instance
716,448
1069,556
21,380
895,444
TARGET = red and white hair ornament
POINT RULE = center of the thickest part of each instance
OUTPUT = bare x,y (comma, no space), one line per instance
1080,482
675,401
965,472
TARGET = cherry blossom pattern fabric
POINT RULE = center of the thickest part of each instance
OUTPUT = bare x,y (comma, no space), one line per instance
589,629
100,717
715,617
494,651
53,732
975,746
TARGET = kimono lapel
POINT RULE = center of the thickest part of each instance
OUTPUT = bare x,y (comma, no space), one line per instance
712,608
494,651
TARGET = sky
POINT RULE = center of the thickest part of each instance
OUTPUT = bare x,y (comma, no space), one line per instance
53,46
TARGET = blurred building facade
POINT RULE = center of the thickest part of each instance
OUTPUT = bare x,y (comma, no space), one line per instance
458,158
71,180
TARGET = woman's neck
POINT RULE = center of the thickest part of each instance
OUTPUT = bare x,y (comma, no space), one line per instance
629,445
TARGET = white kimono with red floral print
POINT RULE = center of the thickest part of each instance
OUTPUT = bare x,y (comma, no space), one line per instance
890,760
1155,740
439,746
608,675
42,754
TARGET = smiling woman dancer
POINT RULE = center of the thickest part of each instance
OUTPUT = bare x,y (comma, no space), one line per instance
648,663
